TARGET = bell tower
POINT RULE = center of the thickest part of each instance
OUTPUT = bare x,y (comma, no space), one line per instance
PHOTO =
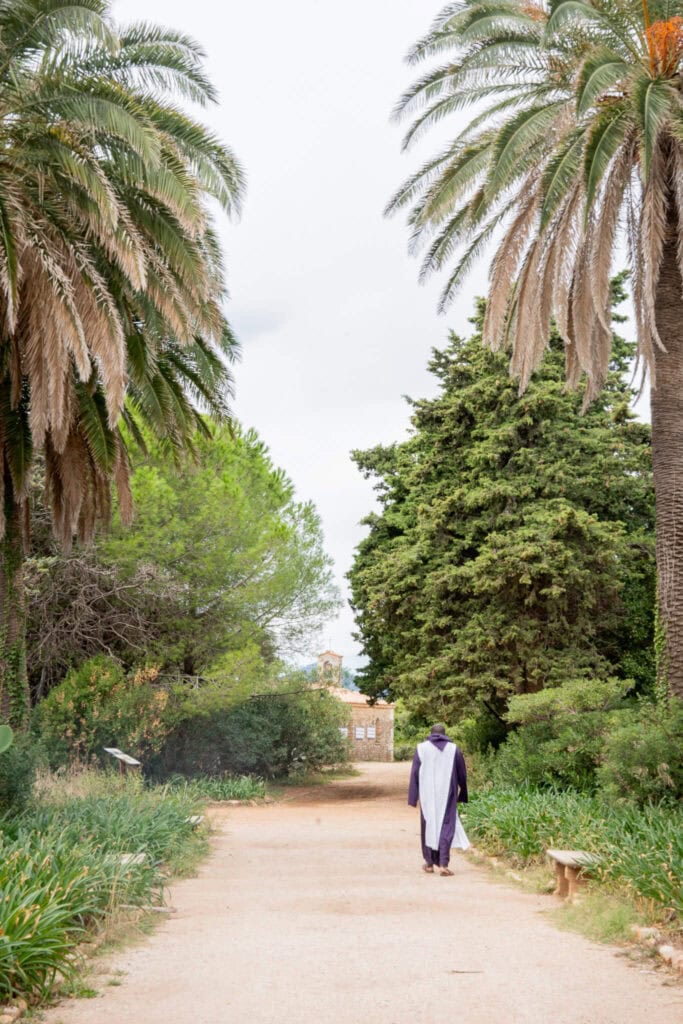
330,668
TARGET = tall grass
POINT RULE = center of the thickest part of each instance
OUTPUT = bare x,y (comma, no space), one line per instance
221,787
61,872
640,851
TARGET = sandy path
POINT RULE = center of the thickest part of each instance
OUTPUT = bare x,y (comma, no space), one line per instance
314,911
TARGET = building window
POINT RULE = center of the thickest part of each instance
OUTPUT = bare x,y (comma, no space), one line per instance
360,732
344,731
372,732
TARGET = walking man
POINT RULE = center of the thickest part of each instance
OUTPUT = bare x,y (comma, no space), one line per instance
439,780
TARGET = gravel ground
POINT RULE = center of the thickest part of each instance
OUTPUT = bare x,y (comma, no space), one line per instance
314,910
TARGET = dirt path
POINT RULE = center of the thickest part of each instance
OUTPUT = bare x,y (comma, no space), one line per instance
314,911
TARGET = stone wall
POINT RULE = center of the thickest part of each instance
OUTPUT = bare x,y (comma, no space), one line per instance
379,747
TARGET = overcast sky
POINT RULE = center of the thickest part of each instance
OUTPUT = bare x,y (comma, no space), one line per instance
324,297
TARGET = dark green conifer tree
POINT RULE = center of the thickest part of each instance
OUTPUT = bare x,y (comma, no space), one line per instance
513,547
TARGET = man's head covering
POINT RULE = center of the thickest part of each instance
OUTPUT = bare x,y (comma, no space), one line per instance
439,728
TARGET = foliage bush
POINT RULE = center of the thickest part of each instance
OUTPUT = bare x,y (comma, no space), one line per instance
640,851
642,760
630,753
409,730
481,733
61,873
561,752
214,729
275,735
18,766
98,705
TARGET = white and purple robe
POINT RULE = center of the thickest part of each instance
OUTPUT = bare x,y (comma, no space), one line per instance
439,781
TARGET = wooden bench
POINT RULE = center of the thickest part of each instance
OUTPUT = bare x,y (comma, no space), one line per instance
571,867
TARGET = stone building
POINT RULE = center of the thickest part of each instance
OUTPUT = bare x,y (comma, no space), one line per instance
370,728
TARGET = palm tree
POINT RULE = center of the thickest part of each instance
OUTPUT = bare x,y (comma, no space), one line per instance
575,143
111,280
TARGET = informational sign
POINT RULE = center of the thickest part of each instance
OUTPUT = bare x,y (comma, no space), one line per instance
372,732
360,732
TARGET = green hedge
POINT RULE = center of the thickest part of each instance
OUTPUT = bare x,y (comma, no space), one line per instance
270,737
630,754
215,729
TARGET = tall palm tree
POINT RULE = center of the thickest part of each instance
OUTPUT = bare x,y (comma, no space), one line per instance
111,280
575,142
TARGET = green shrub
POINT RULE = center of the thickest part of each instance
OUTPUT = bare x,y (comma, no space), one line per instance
272,736
643,853
482,733
642,759
17,773
564,752
6,737
97,705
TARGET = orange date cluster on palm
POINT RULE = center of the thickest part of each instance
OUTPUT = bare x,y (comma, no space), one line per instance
665,42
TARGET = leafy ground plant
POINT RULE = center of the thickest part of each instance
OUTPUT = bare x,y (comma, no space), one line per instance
62,874
640,850
221,787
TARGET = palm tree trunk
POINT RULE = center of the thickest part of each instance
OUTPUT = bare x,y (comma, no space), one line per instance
666,400
14,691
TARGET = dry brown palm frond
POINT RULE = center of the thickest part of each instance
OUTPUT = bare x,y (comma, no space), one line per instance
14,228
72,462
602,232
506,263
530,340
122,481
573,366
33,357
653,226
163,290
567,233
126,249
546,279
583,312
78,492
108,347
678,193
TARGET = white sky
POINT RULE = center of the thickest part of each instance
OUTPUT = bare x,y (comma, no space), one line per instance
324,297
